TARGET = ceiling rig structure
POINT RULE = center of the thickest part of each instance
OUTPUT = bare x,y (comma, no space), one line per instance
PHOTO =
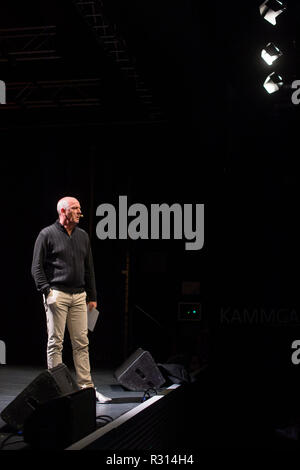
28,44
81,63
115,47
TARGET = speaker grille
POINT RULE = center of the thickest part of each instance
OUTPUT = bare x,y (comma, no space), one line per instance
139,372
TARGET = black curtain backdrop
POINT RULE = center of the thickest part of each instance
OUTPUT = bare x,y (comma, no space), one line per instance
226,144
148,166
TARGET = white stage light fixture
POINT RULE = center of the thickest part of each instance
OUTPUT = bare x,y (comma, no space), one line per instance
273,83
270,9
270,53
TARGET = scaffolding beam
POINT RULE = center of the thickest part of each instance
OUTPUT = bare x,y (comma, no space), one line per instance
115,47
54,94
28,44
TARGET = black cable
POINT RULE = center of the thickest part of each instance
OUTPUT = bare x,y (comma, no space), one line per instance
147,395
20,441
5,443
106,418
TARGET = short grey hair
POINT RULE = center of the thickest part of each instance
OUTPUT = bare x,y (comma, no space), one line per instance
62,204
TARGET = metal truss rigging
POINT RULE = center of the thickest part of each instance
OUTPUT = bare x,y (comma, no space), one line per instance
28,44
54,94
115,46
37,44
33,44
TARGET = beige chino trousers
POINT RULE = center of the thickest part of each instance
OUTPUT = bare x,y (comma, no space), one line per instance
68,309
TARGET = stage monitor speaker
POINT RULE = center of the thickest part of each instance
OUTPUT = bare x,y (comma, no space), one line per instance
139,372
62,421
49,384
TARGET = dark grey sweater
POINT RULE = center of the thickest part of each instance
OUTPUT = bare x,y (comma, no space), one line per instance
63,262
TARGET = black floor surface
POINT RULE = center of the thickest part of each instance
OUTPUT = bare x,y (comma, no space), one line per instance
14,379
219,410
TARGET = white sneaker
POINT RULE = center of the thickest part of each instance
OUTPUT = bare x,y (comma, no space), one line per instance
101,398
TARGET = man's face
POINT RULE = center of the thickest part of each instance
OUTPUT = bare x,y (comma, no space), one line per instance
74,211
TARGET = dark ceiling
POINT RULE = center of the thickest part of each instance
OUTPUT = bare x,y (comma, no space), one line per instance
168,46
185,53
193,65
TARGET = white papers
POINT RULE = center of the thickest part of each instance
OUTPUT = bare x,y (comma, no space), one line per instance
92,317
2,352
52,296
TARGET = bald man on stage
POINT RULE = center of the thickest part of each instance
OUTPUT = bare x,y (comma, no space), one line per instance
63,271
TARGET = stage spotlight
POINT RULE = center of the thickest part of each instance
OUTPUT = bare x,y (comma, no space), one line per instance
273,82
270,9
270,53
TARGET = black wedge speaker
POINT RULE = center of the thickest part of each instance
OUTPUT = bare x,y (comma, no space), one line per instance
49,384
139,372
62,421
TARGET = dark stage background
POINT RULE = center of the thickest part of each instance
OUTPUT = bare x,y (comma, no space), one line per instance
221,140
